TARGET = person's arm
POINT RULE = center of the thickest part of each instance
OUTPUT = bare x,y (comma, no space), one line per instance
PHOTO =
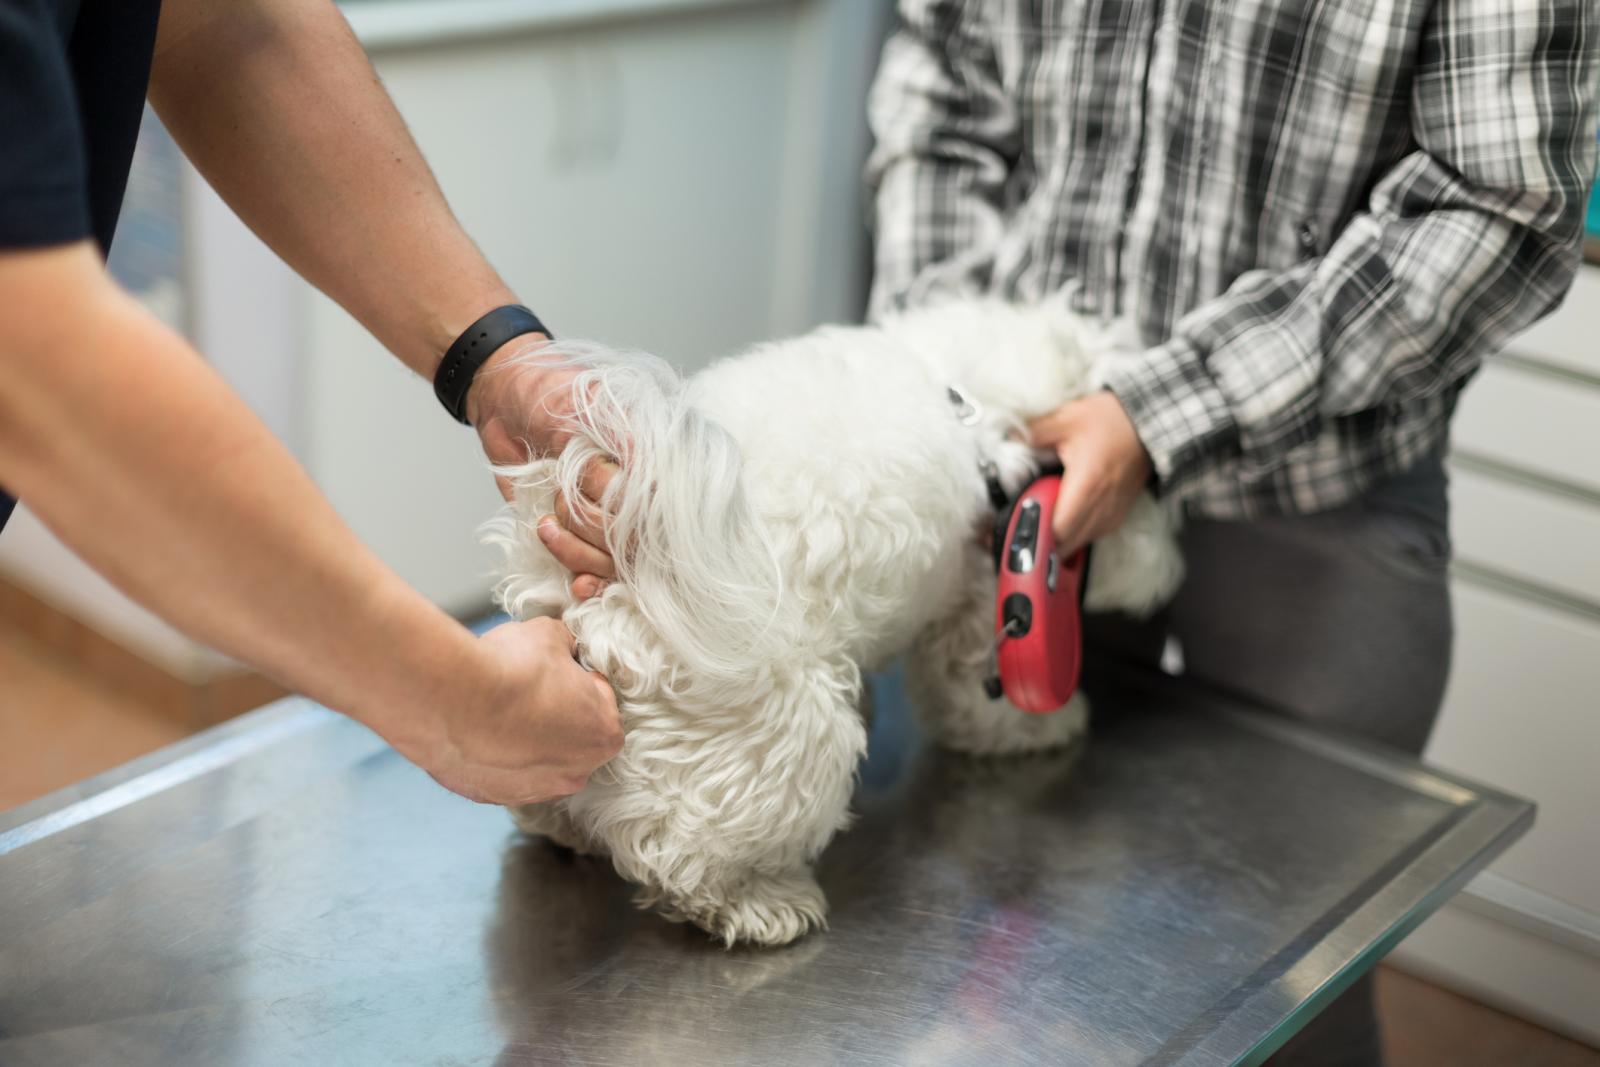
277,105
1465,241
946,137
126,444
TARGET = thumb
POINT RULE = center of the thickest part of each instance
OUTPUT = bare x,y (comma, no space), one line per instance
1071,518
498,444
1051,429
571,640
503,450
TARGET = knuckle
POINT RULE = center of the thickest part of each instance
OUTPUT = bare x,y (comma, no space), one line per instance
565,785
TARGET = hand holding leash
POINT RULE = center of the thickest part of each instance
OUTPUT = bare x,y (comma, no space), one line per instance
1038,625
1105,464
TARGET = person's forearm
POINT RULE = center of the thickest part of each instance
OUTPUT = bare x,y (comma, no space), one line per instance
126,444
276,104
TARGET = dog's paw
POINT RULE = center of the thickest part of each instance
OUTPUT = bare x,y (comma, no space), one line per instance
996,728
761,909
769,911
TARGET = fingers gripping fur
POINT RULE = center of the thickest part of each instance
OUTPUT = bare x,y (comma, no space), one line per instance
677,519
535,584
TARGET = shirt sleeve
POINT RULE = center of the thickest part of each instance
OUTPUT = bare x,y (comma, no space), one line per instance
43,190
946,137
1467,240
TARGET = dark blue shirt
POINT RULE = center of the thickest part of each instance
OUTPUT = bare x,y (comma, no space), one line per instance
73,76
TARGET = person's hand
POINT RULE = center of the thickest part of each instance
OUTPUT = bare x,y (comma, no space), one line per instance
520,402
576,536
519,405
1105,467
534,729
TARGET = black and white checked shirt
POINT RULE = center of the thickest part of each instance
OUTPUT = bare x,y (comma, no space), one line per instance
1318,215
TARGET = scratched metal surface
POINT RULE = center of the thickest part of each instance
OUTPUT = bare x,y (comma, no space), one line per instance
1186,888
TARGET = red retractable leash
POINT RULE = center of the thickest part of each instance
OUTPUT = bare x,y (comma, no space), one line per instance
1038,616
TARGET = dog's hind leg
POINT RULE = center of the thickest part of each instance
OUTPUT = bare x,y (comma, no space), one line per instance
726,840
946,671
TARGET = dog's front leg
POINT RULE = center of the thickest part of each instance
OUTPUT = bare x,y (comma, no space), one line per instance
948,666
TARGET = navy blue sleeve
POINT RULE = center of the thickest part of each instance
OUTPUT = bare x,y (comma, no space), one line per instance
44,197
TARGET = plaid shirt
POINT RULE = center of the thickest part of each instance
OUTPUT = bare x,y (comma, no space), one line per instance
1318,216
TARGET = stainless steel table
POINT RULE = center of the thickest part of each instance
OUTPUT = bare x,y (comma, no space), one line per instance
1188,888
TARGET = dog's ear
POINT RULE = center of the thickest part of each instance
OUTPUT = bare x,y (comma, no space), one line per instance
533,583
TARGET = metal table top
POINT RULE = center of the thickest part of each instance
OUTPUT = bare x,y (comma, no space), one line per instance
1187,888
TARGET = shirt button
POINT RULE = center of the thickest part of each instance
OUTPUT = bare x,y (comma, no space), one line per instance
1309,236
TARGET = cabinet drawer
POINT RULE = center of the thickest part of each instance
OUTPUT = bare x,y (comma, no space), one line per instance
1523,713
1540,421
1530,533
1567,338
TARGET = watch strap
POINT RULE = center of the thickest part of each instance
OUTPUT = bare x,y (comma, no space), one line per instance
453,378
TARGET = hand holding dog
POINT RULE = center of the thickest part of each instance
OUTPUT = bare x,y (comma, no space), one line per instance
519,405
533,729
1105,464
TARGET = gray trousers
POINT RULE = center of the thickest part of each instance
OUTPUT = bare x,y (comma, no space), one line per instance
1341,620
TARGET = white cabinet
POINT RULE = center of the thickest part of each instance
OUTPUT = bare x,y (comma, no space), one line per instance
1523,707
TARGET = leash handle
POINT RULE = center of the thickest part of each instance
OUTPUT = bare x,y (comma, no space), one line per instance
1038,619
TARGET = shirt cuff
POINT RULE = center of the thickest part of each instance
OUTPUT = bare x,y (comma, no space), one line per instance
1177,410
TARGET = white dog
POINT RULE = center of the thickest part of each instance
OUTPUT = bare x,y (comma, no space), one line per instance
783,521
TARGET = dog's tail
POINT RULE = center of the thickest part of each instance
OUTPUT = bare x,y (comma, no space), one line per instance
688,549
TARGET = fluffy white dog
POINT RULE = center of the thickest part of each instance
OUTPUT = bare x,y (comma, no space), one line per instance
783,521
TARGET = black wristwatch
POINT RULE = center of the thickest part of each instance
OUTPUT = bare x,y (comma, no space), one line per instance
473,348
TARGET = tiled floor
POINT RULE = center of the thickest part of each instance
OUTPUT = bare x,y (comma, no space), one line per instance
58,727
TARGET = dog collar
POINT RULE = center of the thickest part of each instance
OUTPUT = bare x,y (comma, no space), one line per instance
969,412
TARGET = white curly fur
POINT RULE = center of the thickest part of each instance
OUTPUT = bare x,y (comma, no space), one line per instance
782,521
